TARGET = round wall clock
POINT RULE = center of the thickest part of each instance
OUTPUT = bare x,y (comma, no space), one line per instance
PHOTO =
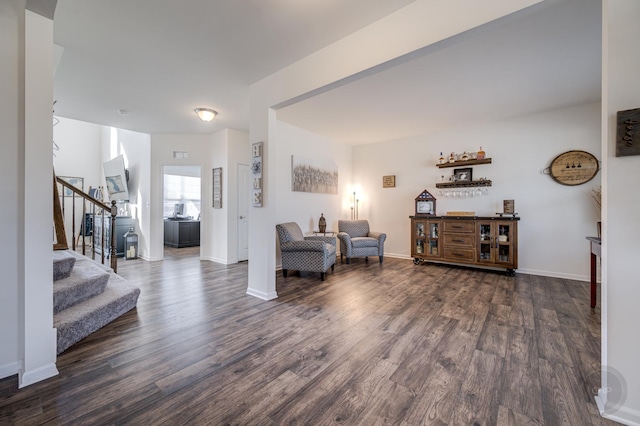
574,168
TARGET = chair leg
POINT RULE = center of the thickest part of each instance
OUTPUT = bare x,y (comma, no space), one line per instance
284,273
333,267
340,257
381,259
322,276
366,259
348,260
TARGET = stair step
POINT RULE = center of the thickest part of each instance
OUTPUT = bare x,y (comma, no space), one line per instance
77,322
63,262
86,280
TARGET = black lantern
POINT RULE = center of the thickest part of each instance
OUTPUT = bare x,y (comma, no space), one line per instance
131,244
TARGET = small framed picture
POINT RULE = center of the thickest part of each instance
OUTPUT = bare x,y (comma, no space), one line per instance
463,175
389,181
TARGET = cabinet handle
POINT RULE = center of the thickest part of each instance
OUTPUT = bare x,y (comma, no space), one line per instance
458,241
458,254
457,226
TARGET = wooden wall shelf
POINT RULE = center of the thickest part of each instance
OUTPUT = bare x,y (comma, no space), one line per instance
465,163
463,184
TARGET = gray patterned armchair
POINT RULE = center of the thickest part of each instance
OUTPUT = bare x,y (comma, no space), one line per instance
300,253
357,241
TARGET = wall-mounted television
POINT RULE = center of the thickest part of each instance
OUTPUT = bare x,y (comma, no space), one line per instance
116,178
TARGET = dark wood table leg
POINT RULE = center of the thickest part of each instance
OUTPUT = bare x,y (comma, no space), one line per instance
593,279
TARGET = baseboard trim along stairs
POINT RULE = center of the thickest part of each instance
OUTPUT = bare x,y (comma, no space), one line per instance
86,296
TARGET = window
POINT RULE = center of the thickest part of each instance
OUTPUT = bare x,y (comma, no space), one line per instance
182,189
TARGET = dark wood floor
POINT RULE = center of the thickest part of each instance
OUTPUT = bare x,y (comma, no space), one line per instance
374,344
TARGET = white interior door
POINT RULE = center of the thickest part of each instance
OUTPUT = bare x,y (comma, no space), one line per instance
244,193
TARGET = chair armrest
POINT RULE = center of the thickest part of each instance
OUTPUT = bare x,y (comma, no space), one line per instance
306,245
344,237
380,236
326,240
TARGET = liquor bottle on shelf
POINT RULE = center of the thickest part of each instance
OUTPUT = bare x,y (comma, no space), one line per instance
441,160
452,158
481,154
465,156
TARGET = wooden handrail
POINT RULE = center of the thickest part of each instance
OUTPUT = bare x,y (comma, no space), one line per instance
112,209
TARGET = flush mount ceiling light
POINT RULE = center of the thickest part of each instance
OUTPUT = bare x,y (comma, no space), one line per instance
206,114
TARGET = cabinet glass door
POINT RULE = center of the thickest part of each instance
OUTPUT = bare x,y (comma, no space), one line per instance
503,243
485,242
434,233
419,237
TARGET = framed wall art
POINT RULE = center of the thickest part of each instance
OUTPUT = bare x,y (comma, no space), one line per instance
78,182
217,188
256,172
318,175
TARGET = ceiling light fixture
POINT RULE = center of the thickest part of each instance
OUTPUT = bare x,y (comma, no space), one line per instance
206,114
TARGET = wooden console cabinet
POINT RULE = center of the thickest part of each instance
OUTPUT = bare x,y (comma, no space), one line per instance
472,240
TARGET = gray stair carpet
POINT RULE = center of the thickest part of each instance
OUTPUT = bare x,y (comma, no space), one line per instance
78,321
90,297
63,262
85,280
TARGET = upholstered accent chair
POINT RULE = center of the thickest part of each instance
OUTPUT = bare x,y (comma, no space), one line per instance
300,253
356,240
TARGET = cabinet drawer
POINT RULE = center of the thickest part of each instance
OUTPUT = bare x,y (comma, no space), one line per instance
460,254
459,239
459,226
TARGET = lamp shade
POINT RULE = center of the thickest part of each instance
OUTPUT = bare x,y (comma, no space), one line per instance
206,114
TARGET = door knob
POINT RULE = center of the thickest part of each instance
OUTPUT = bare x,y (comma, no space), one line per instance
241,217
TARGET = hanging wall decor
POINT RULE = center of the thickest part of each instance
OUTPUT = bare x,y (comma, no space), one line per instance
217,188
319,175
256,170
628,133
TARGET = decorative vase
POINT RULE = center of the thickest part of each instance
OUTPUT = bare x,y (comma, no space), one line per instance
322,223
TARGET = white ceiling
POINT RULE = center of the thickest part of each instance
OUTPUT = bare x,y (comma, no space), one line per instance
160,60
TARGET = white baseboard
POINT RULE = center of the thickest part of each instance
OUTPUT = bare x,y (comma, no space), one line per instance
262,295
10,369
219,260
34,376
555,274
624,415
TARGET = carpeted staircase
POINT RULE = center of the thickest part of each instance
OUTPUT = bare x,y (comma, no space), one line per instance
86,296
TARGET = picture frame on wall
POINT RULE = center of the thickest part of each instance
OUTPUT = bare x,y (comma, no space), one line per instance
463,175
78,182
217,188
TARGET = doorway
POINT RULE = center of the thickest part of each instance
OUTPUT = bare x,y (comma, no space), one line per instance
244,193
181,210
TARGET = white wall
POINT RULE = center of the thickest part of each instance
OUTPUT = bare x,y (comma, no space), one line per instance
136,149
79,153
621,203
11,134
36,296
78,156
305,208
554,218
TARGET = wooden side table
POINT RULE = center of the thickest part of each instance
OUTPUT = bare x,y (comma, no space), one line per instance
325,233
596,251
